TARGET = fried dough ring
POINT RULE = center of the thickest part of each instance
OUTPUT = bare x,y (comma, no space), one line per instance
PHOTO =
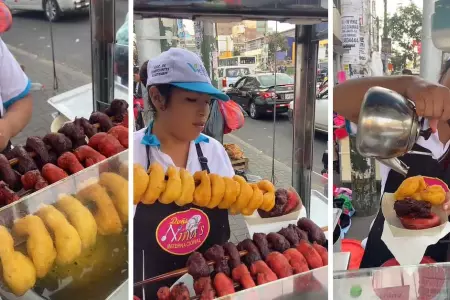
140,182
173,186
18,270
80,217
202,193
409,187
40,246
156,184
434,194
187,188
244,197
118,188
268,190
67,239
217,190
255,201
106,216
232,190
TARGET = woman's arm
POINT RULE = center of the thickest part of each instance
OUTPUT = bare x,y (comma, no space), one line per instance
18,115
348,96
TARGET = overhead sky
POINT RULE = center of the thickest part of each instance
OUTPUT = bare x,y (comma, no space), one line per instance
393,4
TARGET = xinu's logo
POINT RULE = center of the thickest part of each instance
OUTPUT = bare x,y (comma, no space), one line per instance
196,68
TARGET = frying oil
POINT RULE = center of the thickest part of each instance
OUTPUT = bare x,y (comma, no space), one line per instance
97,273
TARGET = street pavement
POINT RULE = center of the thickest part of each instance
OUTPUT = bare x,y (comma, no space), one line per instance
72,35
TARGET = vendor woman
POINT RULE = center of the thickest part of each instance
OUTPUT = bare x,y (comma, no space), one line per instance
180,93
433,103
16,104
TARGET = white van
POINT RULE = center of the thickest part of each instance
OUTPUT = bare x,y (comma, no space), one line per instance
229,75
53,9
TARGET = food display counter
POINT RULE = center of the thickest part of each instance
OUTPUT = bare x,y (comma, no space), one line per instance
408,282
99,270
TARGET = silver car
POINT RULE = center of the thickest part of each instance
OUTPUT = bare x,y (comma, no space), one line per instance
321,113
230,75
53,9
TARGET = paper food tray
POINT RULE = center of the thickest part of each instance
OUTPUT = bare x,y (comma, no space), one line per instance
395,236
79,101
255,223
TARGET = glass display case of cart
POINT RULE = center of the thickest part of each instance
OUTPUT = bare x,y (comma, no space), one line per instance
70,239
426,281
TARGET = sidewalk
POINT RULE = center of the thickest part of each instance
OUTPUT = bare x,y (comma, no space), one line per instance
41,71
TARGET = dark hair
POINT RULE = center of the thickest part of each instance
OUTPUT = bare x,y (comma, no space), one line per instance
143,73
444,70
165,90
407,72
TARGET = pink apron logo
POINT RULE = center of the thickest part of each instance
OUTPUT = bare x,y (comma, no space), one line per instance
183,232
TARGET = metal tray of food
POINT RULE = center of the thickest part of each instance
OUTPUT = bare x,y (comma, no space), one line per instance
79,101
98,273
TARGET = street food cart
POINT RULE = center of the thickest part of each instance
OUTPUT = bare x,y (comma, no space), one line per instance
101,271
309,18
419,280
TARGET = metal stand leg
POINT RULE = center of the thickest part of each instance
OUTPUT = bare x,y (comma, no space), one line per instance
304,110
102,39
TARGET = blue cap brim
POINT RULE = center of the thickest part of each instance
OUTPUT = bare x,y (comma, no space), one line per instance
202,87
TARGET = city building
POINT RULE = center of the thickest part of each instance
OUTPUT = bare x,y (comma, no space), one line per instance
338,50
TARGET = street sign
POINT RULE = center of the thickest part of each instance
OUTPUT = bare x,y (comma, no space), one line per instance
386,45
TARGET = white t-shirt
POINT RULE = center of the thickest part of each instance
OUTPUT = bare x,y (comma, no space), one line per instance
14,84
218,160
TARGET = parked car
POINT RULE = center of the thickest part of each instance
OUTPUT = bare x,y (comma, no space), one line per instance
258,93
321,111
229,75
53,9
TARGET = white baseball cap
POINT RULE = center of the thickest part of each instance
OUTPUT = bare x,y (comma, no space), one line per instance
183,69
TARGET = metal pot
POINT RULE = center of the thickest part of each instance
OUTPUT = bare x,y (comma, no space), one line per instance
388,127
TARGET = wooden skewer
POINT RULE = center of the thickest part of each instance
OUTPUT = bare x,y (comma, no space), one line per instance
176,273
182,271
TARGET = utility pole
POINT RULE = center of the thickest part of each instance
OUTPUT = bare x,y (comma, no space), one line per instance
431,57
206,42
363,177
385,36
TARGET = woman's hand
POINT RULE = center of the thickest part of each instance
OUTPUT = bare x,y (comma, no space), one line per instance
446,204
432,100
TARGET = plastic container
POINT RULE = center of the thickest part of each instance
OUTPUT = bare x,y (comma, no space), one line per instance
440,30
357,252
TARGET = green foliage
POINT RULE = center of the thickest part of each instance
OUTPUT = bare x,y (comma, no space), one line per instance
276,42
404,27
